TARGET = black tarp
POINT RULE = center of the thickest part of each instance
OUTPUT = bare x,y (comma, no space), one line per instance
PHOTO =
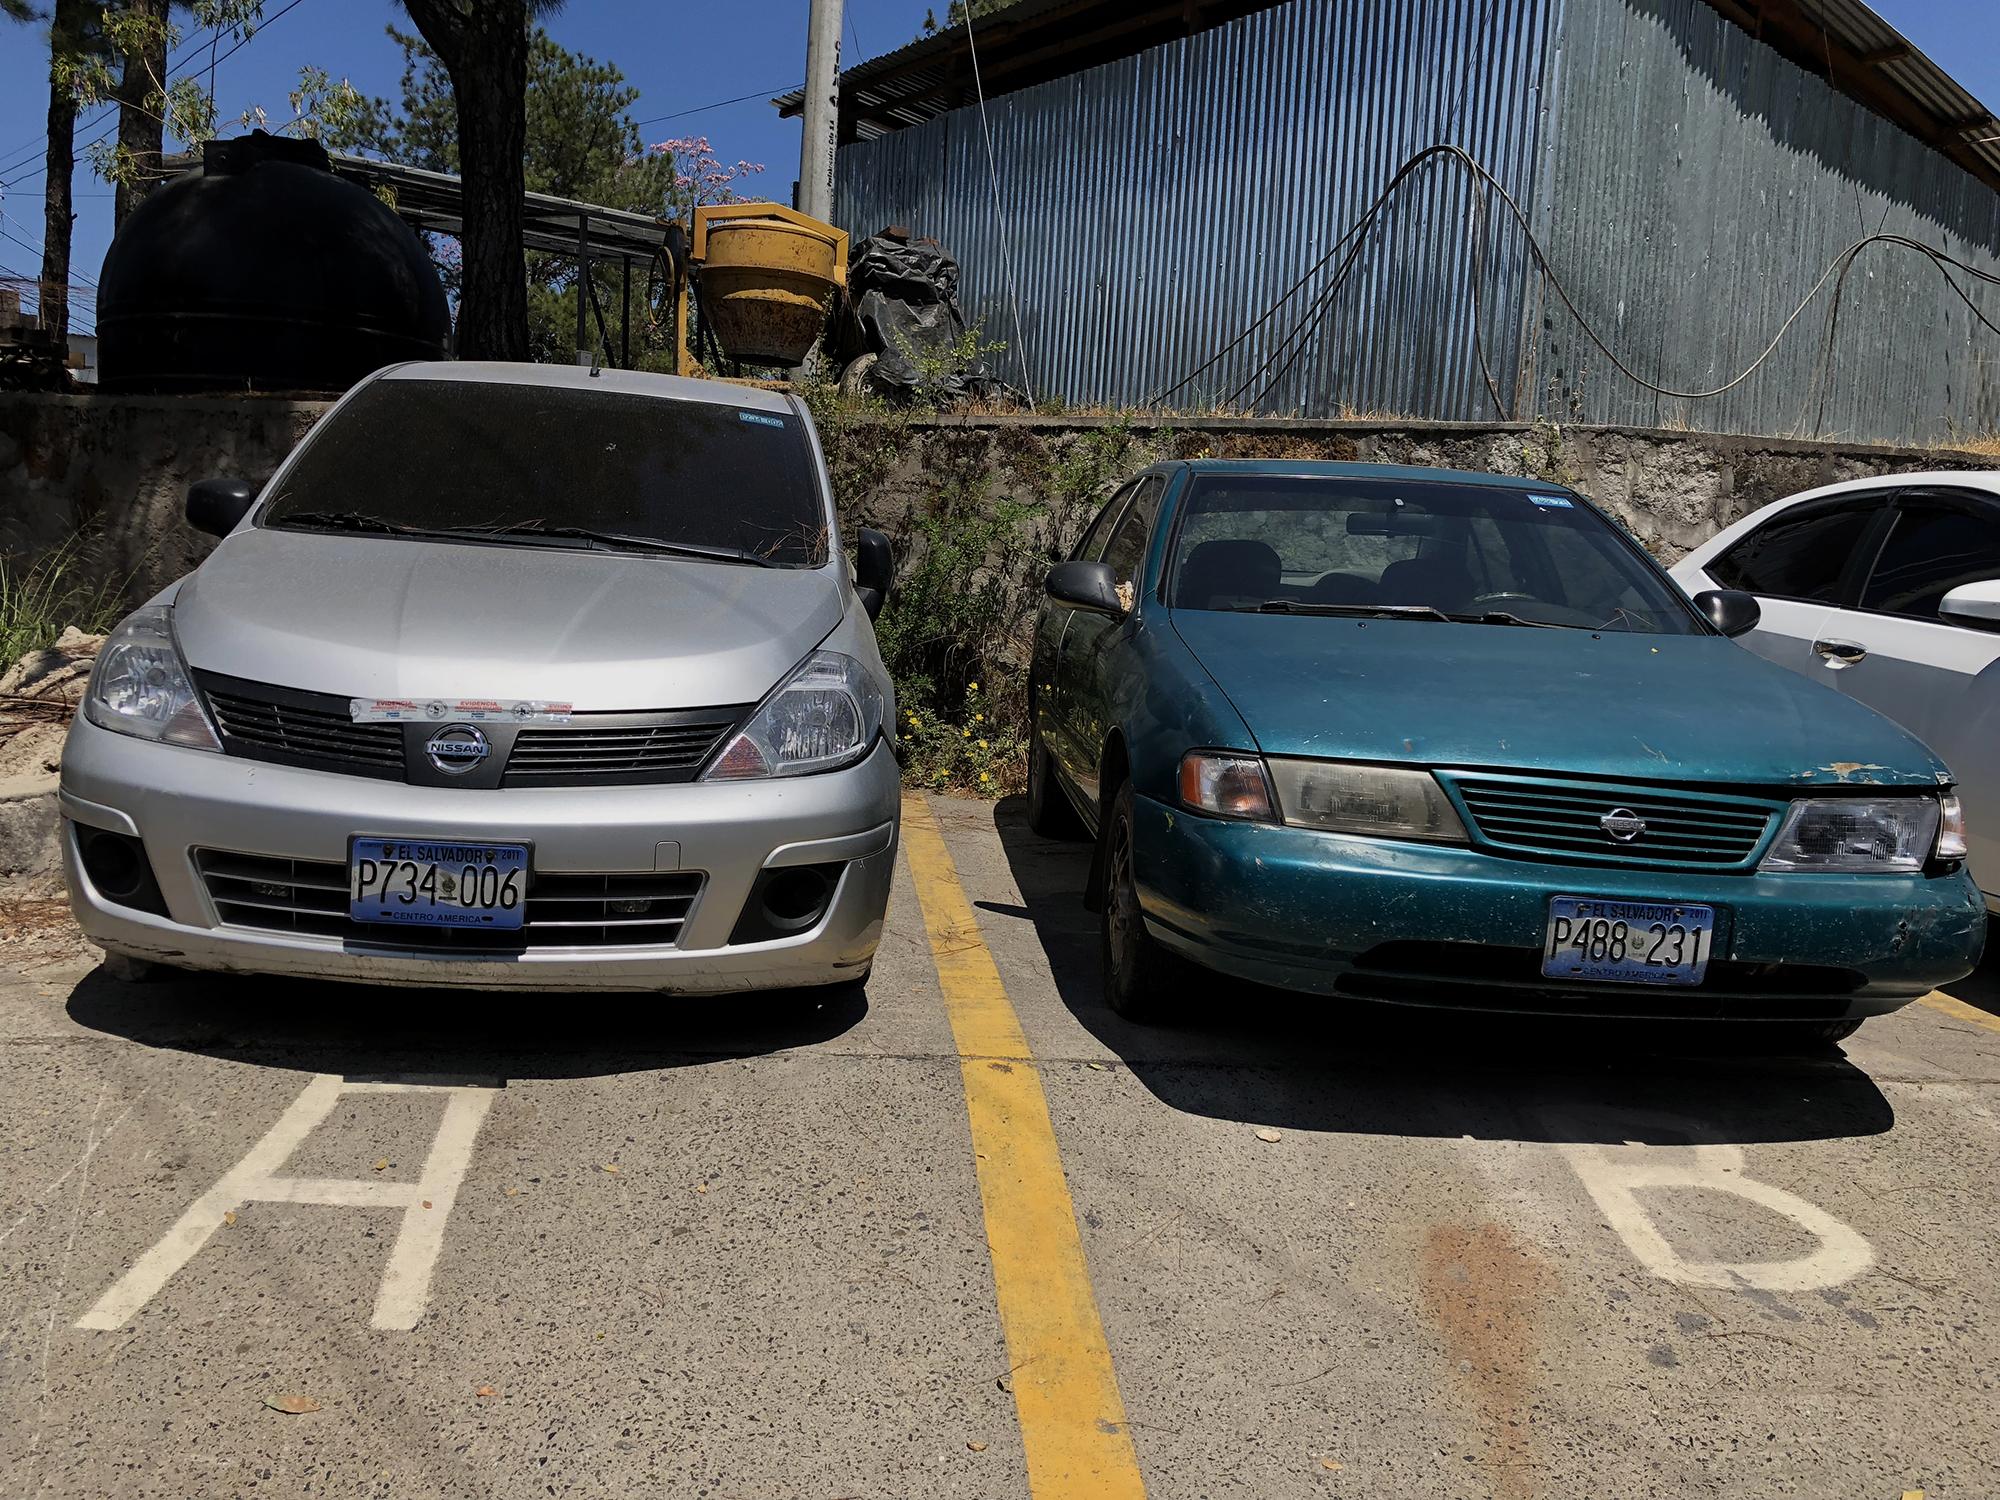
905,298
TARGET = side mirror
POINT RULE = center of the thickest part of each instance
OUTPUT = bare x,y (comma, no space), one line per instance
1975,605
216,505
1730,611
1085,585
874,570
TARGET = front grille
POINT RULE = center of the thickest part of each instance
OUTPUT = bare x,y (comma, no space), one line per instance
1550,819
303,729
628,748
261,721
563,910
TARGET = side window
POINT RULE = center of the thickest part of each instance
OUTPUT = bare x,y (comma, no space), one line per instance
1091,548
1802,554
1128,541
1935,545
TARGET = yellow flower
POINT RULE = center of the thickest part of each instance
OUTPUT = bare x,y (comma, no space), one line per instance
976,718
965,734
982,744
984,777
972,687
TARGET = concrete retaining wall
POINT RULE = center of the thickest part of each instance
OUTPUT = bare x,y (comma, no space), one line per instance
121,466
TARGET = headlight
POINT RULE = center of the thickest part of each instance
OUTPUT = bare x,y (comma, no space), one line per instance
825,715
1891,836
1226,785
1379,801
140,686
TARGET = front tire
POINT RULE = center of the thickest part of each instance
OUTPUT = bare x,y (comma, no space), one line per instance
1143,982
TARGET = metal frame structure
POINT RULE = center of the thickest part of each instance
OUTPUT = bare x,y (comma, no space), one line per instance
434,202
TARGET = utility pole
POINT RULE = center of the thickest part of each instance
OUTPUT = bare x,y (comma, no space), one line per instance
822,112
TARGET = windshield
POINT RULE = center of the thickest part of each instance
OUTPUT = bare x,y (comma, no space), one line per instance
1418,550
576,467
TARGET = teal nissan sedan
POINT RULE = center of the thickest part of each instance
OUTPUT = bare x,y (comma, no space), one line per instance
1453,739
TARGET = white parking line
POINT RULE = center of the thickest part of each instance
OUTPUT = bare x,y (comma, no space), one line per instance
1615,1177
426,1203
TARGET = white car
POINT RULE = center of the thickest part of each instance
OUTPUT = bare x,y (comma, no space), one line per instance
1887,590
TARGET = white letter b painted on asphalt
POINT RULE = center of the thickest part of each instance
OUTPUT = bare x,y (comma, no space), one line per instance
1615,1181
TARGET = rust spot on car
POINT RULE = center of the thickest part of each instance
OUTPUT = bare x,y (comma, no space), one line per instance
1845,770
1483,1290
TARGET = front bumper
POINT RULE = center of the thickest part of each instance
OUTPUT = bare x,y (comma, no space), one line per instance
1434,925
178,800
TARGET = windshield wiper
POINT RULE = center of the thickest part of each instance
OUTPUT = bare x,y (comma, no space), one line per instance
1503,617
616,541
347,520
1366,611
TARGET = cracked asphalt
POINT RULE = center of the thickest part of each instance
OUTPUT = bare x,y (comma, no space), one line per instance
503,1247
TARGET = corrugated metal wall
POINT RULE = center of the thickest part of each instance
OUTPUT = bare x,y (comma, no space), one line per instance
1159,205
1688,183
1696,185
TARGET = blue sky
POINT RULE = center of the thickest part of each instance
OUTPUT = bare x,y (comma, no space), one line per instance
683,55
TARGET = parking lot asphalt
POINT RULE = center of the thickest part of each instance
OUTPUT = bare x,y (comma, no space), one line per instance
968,1234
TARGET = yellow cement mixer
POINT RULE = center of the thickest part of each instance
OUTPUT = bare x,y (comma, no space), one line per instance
763,277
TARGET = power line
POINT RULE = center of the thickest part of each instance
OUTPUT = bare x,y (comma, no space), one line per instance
38,250
680,114
29,149
240,44
6,234
999,216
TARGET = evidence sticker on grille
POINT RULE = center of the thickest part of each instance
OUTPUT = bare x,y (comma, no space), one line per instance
508,710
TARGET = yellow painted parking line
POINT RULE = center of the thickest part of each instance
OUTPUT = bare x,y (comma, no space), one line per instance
1065,1392
1958,1010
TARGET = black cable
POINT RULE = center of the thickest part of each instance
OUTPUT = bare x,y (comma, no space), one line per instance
1299,336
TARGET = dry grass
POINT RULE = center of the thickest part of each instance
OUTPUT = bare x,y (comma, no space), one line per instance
54,591
1986,444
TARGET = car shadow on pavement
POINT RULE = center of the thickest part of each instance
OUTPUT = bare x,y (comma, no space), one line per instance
365,1031
1246,1053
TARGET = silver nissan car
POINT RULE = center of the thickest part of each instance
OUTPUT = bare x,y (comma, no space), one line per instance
513,676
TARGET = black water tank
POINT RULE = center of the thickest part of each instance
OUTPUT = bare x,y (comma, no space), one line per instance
264,272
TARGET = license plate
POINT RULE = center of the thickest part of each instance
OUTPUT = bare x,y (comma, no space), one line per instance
1627,942
437,883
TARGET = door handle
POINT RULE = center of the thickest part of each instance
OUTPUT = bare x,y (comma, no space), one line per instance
1838,654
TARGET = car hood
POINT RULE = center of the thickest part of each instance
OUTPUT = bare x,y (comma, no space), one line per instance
382,617
1644,707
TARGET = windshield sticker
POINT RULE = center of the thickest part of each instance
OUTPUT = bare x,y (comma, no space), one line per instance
760,419
431,710
1551,502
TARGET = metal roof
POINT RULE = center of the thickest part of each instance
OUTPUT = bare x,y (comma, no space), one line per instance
434,201
1027,42
1032,41
1862,55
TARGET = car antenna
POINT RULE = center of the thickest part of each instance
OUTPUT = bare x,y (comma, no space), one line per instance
596,369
